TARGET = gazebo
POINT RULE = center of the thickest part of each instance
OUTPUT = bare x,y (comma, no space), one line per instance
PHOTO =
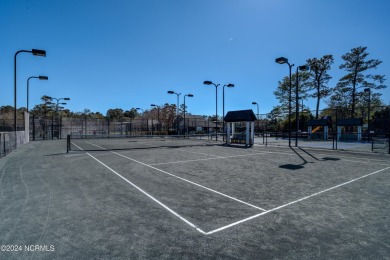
350,122
240,116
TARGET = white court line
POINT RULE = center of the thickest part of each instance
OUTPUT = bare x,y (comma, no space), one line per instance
216,156
180,178
360,160
147,194
293,202
206,159
364,160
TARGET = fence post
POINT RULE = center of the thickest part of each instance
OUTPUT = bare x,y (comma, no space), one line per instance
52,127
33,127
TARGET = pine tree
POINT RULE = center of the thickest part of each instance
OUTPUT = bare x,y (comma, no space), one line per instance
357,65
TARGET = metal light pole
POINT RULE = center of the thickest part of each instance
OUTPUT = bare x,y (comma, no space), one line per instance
36,53
258,127
56,112
177,109
57,102
230,85
158,116
184,116
368,90
301,68
207,82
28,80
282,60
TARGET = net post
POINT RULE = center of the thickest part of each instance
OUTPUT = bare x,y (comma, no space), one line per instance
67,143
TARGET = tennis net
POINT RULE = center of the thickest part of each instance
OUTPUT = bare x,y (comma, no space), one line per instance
80,142
380,145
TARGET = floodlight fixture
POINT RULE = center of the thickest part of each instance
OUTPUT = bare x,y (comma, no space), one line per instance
43,77
36,52
281,60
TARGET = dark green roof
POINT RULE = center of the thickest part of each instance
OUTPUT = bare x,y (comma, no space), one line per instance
350,122
240,116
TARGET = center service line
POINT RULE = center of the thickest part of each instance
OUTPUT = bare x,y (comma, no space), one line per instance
180,178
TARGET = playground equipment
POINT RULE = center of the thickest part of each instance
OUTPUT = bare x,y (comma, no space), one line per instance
240,116
325,122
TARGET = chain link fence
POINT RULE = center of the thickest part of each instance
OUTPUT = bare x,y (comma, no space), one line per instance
57,127
367,130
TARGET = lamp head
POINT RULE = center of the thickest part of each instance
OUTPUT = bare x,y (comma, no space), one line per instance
39,52
66,98
254,103
304,68
281,60
367,90
230,85
190,95
171,92
207,82
43,77
153,105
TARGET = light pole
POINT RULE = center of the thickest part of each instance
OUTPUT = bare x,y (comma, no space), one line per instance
184,116
56,113
177,110
57,102
258,128
207,82
36,53
368,90
301,68
34,77
230,85
282,60
158,116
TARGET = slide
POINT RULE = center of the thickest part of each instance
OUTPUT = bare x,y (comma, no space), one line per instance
316,129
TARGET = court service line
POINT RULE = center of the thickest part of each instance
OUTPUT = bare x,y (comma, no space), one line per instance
293,202
334,152
206,159
343,158
216,156
145,193
180,178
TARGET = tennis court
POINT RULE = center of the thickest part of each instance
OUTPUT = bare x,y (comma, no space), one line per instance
174,198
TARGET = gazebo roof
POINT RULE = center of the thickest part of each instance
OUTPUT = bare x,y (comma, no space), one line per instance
240,116
350,122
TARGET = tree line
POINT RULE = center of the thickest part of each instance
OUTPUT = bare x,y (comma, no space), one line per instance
348,94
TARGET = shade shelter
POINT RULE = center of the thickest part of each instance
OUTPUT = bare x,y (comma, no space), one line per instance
353,123
233,118
325,122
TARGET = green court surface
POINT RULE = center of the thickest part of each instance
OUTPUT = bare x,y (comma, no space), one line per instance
192,201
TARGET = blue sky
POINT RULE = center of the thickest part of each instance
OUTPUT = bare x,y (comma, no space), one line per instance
128,53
